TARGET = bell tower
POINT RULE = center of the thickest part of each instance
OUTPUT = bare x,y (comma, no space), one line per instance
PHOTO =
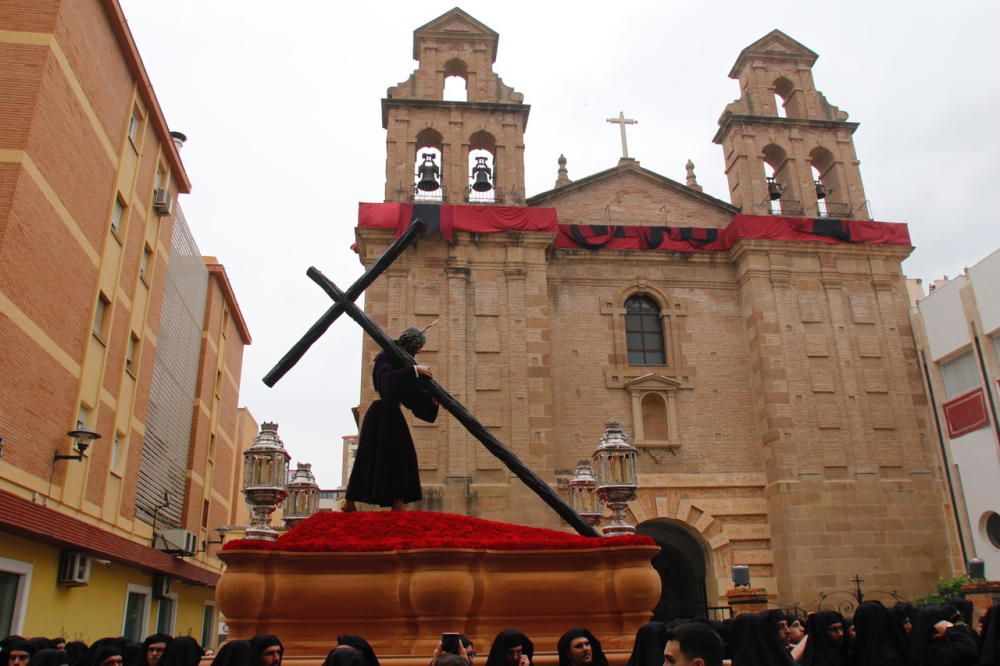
787,150
423,128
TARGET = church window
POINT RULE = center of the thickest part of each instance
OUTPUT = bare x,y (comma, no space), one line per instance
991,525
456,76
960,375
644,331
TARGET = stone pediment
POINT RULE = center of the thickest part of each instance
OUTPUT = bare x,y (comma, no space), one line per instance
652,382
626,176
455,23
774,44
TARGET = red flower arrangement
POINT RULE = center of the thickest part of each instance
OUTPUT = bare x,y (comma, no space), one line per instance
411,530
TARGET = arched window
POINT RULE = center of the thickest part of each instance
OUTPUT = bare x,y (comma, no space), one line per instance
456,76
644,331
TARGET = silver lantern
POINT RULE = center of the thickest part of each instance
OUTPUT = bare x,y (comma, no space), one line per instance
614,467
583,493
265,481
303,495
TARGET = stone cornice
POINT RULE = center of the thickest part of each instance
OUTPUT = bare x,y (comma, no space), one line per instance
492,107
728,120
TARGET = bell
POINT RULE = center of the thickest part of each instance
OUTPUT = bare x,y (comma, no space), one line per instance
820,190
773,189
481,173
428,173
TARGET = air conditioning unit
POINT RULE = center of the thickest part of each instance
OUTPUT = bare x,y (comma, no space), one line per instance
161,586
74,569
177,542
163,204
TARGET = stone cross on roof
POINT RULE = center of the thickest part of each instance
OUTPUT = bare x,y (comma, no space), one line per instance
622,121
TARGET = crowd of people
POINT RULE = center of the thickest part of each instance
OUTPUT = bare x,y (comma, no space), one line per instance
875,635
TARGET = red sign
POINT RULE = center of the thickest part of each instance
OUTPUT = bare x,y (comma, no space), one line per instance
966,413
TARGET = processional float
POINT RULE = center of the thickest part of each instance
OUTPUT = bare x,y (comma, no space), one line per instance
402,600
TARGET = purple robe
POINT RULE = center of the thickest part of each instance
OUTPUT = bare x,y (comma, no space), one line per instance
385,468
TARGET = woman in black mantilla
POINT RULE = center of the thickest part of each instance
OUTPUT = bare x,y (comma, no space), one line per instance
385,471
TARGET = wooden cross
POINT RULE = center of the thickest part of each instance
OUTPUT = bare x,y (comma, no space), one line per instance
344,303
622,121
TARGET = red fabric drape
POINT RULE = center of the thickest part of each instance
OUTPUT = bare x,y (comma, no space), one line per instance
492,219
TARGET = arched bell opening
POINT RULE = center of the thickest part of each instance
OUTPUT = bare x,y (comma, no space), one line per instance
831,196
428,166
786,102
681,564
781,194
456,79
482,186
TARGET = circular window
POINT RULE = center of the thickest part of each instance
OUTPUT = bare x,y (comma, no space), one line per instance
992,525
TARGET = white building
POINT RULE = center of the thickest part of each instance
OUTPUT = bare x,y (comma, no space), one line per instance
957,328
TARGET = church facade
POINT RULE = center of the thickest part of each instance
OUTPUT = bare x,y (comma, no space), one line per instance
757,351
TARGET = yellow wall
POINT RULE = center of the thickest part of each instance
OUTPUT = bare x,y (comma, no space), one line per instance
98,609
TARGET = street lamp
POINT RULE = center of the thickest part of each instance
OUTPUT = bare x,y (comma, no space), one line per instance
264,480
81,442
614,466
303,495
583,493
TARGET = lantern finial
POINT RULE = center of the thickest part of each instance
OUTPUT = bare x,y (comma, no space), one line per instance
617,482
265,480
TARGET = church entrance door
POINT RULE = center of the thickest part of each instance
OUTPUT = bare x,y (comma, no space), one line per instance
681,564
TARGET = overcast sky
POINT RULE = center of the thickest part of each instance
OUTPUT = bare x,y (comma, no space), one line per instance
281,105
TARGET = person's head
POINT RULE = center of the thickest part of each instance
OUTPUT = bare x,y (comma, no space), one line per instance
412,340
109,655
268,649
835,630
779,621
579,647
59,643
235,653
17,652
361,645
693,644
508,647
50,657
182,651
450,659
154,646
344,655
796,630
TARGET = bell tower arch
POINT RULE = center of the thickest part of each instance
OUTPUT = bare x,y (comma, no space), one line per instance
787,150
455,44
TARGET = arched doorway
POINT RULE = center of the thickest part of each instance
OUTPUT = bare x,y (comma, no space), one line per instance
681,565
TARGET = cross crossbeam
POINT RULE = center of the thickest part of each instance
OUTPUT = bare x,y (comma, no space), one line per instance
344,303
314,333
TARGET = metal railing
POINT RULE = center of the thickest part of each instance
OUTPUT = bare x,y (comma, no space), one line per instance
492,196
835,209
440,195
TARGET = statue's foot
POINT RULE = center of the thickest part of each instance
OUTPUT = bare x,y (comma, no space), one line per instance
348,506
397,505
